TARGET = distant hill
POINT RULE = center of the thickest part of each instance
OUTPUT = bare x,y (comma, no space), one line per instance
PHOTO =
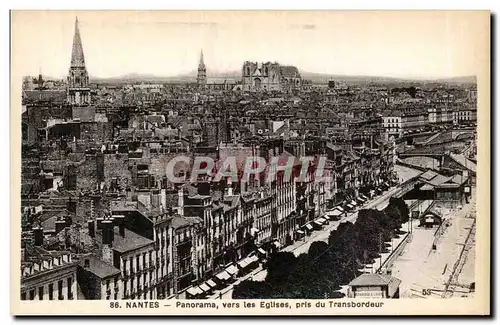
314,77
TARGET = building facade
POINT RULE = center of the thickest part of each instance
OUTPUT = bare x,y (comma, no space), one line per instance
269,77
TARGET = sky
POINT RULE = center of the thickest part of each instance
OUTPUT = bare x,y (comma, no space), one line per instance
394,44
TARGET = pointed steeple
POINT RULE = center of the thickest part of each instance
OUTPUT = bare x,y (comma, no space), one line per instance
201,65
77,58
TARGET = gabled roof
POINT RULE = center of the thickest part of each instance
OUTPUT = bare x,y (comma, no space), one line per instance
130,242
99,268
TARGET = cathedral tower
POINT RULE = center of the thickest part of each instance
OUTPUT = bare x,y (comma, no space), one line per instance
78,79
202,72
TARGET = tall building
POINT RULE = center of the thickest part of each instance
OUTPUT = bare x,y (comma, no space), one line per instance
78,80
202,72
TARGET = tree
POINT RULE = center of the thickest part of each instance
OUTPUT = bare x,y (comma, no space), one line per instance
252,290
280,266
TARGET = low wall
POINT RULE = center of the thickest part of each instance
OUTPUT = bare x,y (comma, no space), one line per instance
395,253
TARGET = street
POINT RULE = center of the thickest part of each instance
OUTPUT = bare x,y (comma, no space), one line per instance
302,246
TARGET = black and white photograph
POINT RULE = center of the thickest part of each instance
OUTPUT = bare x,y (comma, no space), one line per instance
214,160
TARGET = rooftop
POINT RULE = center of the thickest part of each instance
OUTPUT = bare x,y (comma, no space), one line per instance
98,267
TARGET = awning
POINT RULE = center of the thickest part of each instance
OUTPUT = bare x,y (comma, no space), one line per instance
232,270
350,206
211,283
252,259
387,184
364,197
361,199
309,226
300,232
353,203
427,187
319,223
335,213
277,244
223,275
193,291
322,219
204,287
341,209
260,250
327,217
243,263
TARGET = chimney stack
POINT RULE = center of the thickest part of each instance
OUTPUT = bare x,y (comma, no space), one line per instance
38,236
155,198
204,188
91,225
107,232
99,222
181,201
119,221
229,187
86,263
60,225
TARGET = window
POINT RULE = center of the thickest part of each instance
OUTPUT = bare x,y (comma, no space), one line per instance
51,291
137,262
60,289
70,280
40,293
32,294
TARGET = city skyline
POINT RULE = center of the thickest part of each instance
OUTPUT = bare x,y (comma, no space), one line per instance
378,50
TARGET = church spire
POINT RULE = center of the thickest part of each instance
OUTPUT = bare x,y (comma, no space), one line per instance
77,58
201,65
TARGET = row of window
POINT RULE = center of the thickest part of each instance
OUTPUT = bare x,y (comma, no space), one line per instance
40,291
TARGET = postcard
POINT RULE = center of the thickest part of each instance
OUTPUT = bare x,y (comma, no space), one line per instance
250,163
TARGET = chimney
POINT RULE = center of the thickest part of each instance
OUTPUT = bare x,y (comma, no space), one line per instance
91,226
155,198
181,201
86,263
99,222
229,187
163,197
119,221
204,188
107,232
107,254
38,236
60,225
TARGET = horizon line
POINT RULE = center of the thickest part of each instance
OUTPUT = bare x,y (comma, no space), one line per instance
326,74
